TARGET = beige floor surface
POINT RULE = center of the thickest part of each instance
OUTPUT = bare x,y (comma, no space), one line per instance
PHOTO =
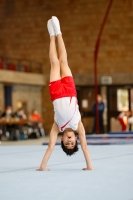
38,141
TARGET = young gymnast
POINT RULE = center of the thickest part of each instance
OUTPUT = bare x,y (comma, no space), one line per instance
67,118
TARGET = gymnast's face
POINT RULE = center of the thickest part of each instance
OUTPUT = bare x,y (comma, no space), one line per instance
69,139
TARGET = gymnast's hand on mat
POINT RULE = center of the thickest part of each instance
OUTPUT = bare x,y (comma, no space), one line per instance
88,169
41,169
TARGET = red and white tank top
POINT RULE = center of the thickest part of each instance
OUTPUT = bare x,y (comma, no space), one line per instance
67,113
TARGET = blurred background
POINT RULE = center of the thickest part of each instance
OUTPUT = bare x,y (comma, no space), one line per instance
25,67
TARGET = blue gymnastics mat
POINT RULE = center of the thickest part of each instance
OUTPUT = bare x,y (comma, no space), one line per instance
121,132
112,178
110,139
106,139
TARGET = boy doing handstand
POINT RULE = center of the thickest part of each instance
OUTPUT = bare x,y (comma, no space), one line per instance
67,117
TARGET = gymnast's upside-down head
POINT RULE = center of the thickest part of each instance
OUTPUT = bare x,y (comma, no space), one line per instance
69,142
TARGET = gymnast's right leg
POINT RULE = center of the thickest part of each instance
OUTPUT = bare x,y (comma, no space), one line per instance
54,61
65,70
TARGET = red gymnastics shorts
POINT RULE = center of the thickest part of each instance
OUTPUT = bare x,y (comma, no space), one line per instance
64,87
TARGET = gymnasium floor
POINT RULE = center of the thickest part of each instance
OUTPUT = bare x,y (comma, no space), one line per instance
112,178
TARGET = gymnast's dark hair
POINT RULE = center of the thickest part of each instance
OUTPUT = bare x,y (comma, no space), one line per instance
69,152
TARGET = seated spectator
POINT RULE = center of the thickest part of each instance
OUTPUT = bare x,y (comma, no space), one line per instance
20,114
10,128
36,124
22,128
123,119
35,116
8,114
130,121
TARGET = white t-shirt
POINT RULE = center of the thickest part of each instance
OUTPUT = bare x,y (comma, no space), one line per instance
67,113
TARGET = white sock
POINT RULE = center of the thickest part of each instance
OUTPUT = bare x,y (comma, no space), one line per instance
50,27
56,25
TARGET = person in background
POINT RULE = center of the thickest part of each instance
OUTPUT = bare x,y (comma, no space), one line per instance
36,122
20,114
7,116
21,127
123,119
63,94
101,107
35,116
130,121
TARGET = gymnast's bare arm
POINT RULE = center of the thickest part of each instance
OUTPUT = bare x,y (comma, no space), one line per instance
53,137
82,137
